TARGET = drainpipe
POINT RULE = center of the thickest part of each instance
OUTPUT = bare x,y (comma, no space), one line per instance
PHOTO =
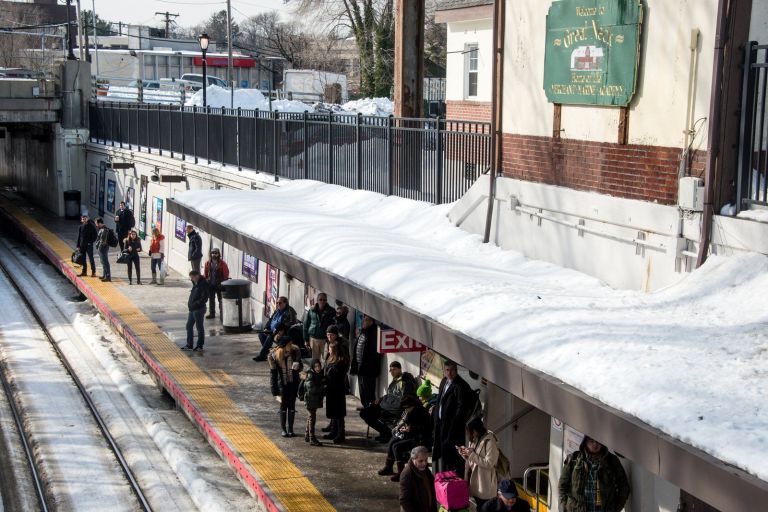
497,93
713,136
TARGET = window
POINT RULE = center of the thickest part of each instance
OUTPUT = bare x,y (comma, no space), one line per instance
472,67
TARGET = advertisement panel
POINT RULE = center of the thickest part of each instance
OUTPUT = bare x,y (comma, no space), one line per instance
181,229
143,208
250,267
272,291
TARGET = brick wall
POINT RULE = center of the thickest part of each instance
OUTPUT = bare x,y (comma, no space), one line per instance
647,173
468,110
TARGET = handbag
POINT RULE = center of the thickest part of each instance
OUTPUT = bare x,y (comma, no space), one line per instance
451,491
124,257
78,258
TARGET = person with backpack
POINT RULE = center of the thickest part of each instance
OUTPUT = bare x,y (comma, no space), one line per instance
387,409
481,456
506,500
102,246
312,391
456,403
86,236
316,323
285,315
285,365
124,222
155,254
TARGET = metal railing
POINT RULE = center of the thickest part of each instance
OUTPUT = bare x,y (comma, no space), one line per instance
434,160
539,494
752,181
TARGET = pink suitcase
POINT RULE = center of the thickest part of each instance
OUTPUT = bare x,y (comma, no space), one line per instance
451,491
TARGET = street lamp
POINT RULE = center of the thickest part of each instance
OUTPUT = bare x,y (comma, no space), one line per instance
204,40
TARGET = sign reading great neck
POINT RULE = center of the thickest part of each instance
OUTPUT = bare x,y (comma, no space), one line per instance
592,51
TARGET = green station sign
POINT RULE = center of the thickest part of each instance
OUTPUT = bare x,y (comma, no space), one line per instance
592,51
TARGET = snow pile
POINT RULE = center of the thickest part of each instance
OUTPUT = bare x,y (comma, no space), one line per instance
243,98
370,106
758,215
690,360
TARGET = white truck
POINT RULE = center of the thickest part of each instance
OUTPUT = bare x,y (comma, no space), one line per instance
310,85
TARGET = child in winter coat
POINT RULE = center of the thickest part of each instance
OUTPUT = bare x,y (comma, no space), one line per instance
314,391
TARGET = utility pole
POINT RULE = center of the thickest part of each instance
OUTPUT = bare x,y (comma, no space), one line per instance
167,15
229,59
80,24
70,38
95,39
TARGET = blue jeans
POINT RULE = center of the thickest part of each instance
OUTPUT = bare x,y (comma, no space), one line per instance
88,255
106,271
266,344
195,319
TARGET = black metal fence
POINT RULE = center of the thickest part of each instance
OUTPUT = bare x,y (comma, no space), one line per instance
753,153
434,160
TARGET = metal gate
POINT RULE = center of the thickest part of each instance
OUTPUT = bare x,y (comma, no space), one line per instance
752,186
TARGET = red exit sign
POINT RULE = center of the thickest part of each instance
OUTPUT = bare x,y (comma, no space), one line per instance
391,340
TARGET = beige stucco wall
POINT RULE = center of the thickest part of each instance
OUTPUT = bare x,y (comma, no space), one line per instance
459,35
658,110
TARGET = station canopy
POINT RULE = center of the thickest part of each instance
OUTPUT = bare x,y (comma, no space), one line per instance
674,380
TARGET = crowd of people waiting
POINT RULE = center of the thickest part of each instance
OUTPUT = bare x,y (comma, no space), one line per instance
409,417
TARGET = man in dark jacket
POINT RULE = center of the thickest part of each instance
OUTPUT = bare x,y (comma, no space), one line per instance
195,250
284,315
341,320
86,236
593,480
455,403
366,361
124,221
387,409
506,500
198,297
216,272
417,485
316,324
102,245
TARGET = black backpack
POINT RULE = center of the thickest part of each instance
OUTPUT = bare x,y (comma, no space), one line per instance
111,237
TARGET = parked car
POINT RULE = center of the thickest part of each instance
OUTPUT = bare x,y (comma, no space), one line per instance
197,80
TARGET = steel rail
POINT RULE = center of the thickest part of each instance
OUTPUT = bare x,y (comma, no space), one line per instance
5,255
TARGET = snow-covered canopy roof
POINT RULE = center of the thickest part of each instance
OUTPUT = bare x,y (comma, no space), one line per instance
690,360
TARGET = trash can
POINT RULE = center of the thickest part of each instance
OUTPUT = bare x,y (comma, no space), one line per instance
235,305
72,204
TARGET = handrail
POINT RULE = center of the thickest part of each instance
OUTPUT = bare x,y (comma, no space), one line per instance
515,418
539,469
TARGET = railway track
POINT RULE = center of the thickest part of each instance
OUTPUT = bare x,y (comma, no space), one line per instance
24,290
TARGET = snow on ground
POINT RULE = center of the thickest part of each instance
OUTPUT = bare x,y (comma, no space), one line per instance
243,98
254,99
691,360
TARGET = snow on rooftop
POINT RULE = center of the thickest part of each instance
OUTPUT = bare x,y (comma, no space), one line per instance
691,360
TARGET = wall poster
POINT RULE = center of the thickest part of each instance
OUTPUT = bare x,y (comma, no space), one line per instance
111,188
142,208
181,229
130,192
592,51
272,291
157,213
250,267
94,188
102,184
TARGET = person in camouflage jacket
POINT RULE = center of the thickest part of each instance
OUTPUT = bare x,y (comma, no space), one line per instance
593,480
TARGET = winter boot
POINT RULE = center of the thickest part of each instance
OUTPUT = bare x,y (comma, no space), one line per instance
306,430
331,431
283,416
328,428
400,468
154,278
340,433
387,469
291,417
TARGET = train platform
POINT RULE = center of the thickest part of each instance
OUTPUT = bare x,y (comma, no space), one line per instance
222,390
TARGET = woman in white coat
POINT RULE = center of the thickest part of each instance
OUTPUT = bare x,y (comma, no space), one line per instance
481,456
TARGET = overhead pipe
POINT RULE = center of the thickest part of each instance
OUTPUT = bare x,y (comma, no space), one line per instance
715,107
497,93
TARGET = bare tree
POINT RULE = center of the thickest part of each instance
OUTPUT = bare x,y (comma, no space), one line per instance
371,23
266,33
22,43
